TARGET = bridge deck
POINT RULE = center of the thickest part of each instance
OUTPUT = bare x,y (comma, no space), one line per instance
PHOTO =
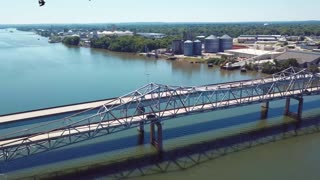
89,105
148,103
51,111
91,127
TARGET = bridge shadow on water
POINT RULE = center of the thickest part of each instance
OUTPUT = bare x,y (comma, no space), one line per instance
113,145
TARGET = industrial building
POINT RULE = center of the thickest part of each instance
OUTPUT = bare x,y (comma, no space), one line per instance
188,48
177,47
293,38
304,58
251,39
226,43
114,33
249,53
201,38
197,47
152,35
267,38
211,44
247,39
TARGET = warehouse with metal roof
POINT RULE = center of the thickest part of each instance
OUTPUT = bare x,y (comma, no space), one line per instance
249,53
303,58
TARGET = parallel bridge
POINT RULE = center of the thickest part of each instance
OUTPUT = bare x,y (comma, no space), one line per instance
153,104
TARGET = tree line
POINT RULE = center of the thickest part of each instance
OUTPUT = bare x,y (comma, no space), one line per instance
304,28
130,43
232,29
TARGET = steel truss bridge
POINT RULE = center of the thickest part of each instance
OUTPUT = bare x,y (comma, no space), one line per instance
155,103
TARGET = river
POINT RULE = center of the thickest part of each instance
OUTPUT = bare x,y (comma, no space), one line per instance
35,74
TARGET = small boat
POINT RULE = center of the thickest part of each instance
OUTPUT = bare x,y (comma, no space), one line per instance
210,65
172,58
243,69
229,66
153,55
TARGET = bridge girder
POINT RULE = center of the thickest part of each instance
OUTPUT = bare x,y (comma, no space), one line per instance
162,102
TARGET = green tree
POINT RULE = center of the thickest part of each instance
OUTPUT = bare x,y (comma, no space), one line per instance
72,41
102,43
130,43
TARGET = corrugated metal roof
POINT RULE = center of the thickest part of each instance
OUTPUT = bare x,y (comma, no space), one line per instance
301,57
225,37
211,37
254,52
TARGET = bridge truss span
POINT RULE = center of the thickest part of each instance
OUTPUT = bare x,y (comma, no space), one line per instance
155,103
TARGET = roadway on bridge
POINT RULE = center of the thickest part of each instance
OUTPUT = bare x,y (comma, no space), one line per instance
110,102
137,119
162,102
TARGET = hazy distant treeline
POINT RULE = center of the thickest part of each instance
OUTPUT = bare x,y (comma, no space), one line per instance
305,28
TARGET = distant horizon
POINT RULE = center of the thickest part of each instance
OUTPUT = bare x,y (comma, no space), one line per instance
160,22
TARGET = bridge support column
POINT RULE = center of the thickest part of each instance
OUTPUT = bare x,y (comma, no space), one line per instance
141,133
141,127
156,137
287,107
264,110
298,114
300,108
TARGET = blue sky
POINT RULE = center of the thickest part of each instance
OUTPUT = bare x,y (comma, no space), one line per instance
104,11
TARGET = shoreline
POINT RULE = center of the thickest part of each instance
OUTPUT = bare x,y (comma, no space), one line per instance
192,60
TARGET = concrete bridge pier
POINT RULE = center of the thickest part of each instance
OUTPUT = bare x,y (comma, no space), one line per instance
156,135
297,115
141,127
141,133
287,107
264,110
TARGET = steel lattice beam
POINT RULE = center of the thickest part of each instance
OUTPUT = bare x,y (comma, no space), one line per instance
157,101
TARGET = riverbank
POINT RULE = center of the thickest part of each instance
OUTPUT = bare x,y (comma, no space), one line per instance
156,48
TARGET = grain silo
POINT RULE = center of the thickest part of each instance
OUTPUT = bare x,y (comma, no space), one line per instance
226,43
197,47
211,44
188,48
177,47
